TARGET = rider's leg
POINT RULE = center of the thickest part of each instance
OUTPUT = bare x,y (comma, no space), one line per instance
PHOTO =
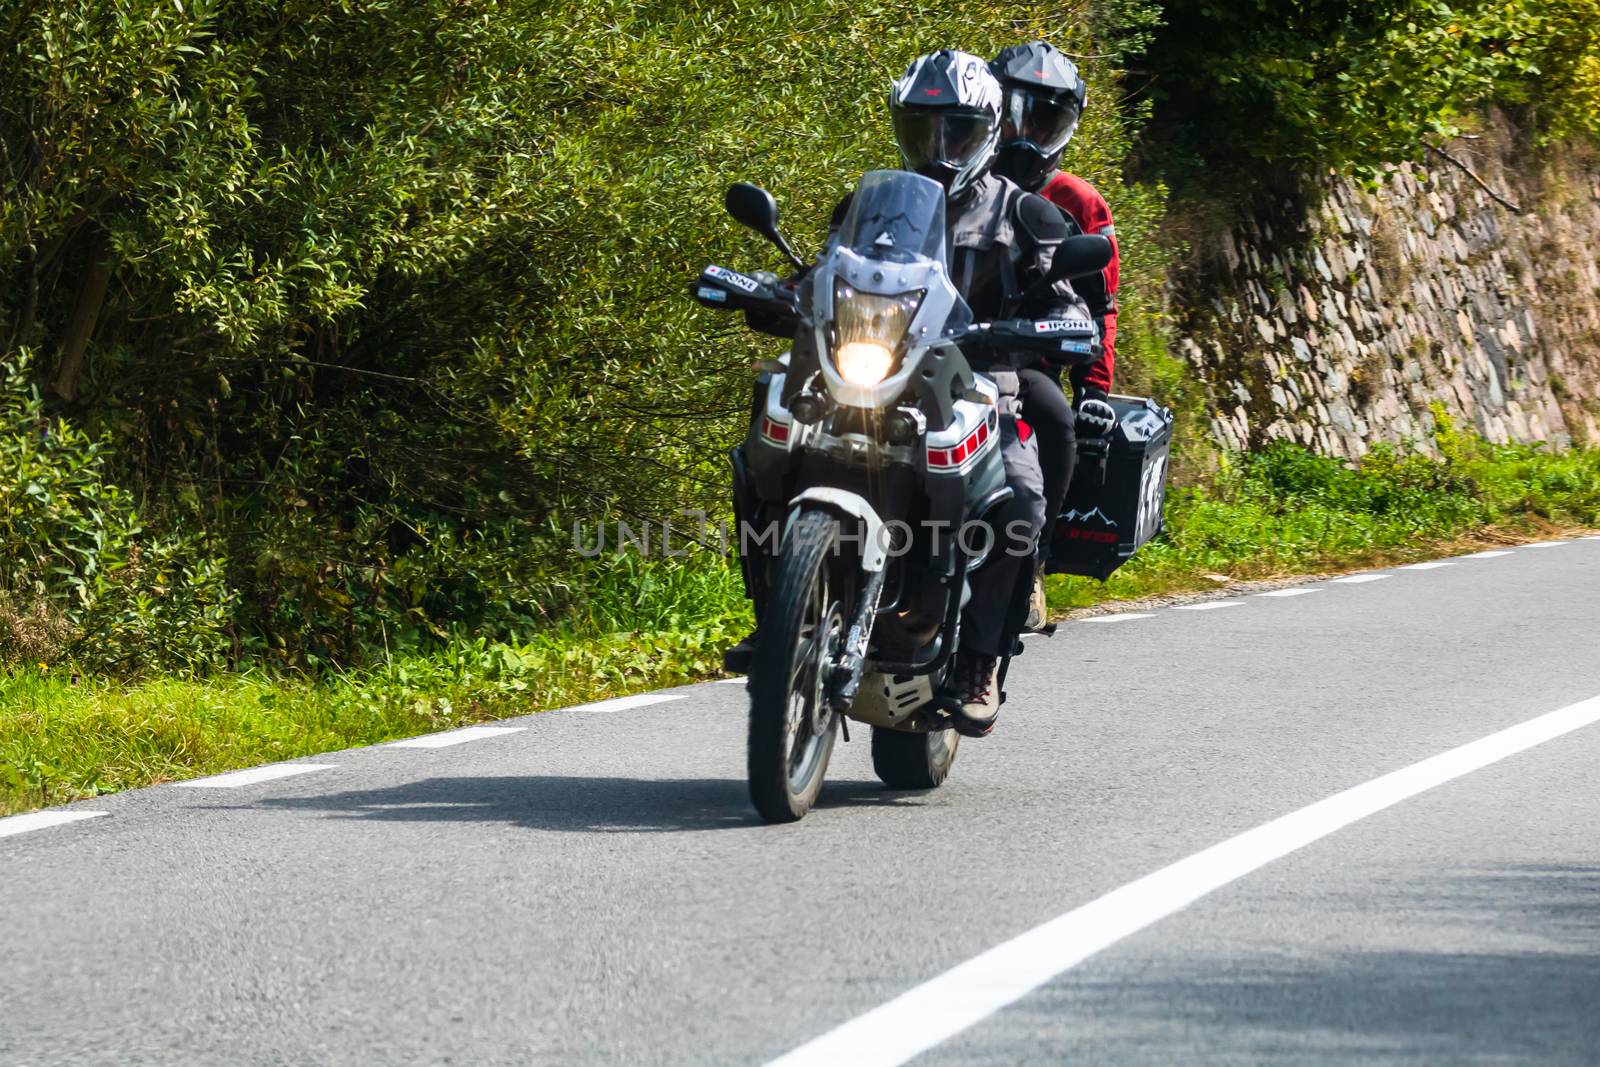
988,624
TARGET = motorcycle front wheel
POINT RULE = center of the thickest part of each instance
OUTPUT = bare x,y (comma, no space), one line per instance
791,728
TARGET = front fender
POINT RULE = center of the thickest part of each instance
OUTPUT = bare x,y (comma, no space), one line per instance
874,546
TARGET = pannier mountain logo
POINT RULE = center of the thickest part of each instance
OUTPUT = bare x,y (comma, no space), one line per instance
1092,525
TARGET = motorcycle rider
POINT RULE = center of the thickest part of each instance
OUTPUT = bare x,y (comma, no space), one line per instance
946,112
1044,99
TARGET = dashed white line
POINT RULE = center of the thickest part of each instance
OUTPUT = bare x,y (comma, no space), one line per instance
1490,554
1209,605
624,703
38,820
1127,616
1431,565
1289,592
235,779
1358,579
1548,544
455,737
942,1007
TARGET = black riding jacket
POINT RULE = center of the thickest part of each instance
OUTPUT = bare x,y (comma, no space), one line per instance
1001,241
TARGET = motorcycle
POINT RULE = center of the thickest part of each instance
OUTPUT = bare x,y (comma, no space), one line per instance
872,461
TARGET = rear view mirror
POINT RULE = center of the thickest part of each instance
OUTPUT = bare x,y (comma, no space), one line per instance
754,207
1079,257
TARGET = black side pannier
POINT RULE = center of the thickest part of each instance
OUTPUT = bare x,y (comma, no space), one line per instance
1114,505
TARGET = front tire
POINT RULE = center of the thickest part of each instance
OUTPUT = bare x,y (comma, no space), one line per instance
907,760
791,729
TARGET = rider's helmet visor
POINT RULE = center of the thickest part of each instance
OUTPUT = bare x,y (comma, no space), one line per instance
936,136
1044,121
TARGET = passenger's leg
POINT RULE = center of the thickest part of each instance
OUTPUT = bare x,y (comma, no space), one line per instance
1046,408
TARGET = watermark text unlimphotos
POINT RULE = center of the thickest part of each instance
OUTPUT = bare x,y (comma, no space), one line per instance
697,531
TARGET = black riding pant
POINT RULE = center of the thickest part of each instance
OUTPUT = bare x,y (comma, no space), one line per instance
1046,408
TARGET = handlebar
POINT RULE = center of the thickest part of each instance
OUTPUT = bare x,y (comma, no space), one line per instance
773,306
1071,340
720,287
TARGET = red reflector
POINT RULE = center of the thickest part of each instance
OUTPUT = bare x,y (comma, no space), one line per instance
775,430
938,457
983,432
958,453
1024,431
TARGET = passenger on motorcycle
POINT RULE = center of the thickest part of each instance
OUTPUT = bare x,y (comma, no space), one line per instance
1044,99
946,112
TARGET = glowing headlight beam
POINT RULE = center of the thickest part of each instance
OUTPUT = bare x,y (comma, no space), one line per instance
864,362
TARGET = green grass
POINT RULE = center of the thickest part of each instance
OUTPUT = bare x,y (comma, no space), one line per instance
1285,511
64,738
646,624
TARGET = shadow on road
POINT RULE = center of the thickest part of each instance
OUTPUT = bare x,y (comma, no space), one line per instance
577,804
1489,966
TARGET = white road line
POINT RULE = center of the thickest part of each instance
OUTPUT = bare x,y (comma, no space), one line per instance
1548,544
1209,605
455,737
1358,579
1127,616
38,820
235,779
937,1010
1289,592
1491,554
1431,565
624,703
740,680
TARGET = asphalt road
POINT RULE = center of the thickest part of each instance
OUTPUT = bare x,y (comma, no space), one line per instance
593,887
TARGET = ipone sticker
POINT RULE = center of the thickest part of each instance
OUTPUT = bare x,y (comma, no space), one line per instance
1063,326
733,278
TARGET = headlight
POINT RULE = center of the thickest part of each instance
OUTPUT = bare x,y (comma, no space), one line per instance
863,362
867,329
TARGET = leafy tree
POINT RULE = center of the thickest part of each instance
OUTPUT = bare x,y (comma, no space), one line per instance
1331,83
382,294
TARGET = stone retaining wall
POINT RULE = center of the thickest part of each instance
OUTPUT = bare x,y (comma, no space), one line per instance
1342,317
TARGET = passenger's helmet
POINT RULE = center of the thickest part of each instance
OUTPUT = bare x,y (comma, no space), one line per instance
1044,97
946,111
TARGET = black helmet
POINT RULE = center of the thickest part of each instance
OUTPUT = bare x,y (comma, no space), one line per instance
1044,96
946,112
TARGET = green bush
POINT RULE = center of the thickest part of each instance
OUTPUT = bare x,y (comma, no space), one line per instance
59,517
78,577
384,296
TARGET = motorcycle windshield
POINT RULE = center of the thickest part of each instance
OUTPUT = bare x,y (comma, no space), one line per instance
896,216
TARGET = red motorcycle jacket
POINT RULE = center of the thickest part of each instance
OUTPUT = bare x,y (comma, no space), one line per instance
1083,204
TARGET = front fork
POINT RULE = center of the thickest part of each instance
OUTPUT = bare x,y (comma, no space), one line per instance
844,674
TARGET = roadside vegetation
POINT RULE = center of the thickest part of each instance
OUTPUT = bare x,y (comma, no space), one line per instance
654,623
312,352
